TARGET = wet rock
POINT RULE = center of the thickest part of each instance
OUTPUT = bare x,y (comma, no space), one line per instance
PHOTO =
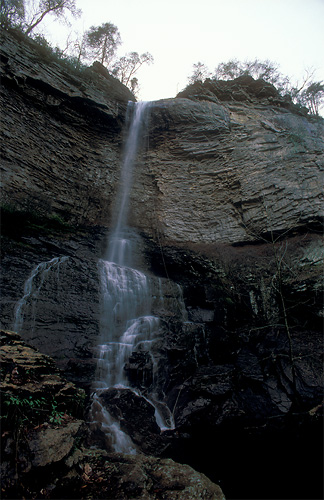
229,202
43,453
58,314
136,418
28,375
139,369
39,410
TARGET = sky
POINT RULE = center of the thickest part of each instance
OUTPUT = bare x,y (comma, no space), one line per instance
179,33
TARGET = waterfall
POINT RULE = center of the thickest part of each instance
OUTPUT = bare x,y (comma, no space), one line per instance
120,246
32,288
127,324
126,321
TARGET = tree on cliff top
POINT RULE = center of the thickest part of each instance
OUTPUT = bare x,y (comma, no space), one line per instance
28,15
200,73
309,94
102,42
264,70
126,67
56,7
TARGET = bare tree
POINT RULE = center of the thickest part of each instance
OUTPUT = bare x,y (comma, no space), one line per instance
56,7
126,67
200,73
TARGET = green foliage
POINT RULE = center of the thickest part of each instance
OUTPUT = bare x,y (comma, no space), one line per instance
28,411
44,48
102,42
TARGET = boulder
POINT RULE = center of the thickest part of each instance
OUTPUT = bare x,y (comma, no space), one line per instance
122,477
136,417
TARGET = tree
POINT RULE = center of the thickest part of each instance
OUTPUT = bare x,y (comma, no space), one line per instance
228,70
102,42
134,85
200,73
126,67
75,47
56,7
313,97
12,13
309,93
265,70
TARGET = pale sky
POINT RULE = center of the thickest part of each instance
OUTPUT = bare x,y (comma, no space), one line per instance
179,33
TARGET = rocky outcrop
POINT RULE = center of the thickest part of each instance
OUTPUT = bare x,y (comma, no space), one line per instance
122,477
61,134
40,411
43,453
228,172
61,298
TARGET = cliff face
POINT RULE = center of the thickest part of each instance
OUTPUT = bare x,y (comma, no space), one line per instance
229,172
228,202
61,134
216,171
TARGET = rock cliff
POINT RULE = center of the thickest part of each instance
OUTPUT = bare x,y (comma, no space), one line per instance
229,172
221,167
49,113
228,203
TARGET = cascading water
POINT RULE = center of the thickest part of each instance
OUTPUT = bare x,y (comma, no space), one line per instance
32,288
127,324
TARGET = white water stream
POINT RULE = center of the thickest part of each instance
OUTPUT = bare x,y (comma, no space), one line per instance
32,289
127,324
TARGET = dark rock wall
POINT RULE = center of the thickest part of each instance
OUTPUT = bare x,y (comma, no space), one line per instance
215,171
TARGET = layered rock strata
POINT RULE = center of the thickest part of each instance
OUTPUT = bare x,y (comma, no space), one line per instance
228,172
61,134
224,164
